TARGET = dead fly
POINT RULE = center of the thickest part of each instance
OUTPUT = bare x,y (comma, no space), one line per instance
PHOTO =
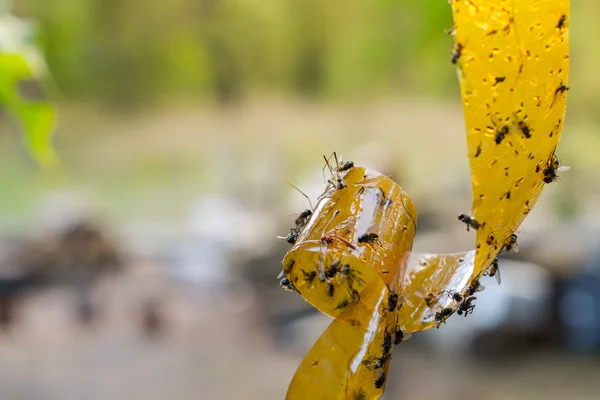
524,129
442,316
344,271
360,395
560,90
387,342
431,299
392,301
292,236
466,306
333,269
330,289
303,218
377,362
400,336
512,244
343,304
456,52
501,134
494,270
309,276
287,284
346,166
551,169
474,288
454,295
336,179
380,381
470,222
368,239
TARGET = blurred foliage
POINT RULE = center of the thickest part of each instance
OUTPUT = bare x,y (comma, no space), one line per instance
225,49
21,67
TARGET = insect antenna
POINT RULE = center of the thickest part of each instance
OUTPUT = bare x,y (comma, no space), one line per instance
301,192
328,165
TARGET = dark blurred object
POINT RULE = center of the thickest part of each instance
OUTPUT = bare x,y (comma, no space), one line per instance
10,289
80,251
153,323
74,256
579,307
510,342
280,308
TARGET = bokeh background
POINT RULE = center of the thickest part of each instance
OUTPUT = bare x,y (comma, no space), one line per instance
148,269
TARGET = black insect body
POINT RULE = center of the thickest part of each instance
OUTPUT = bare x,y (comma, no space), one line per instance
342,304
392,301
469,221
330,289
361,395
399,337
550,171
474,288
303,218
454,295
292,236
466,306
377,362
561,22
333,269
494,270
380,381
346,166
344,271
512,244
524,129
456,53
309,276
442,316
430,300
287,284
501,133
387,343
368,238
336,183
336,179
559,90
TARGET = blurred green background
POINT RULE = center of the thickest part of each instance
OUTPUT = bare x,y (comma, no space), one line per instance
176,120
115,63
228,50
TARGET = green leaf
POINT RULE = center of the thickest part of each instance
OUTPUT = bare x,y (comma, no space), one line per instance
21,63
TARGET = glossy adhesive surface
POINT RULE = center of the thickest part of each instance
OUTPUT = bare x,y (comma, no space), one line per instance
512,59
